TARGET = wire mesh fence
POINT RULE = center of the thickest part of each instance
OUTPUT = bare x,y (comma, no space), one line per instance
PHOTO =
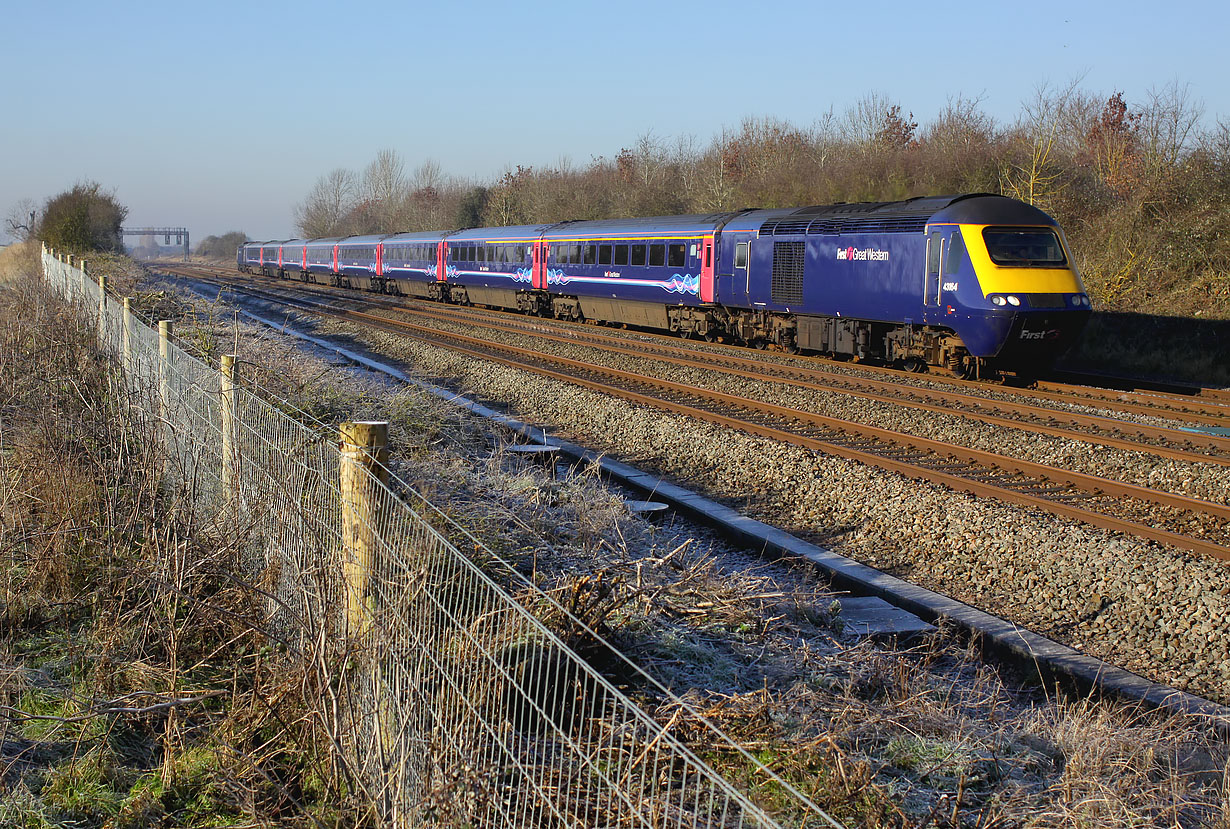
455,703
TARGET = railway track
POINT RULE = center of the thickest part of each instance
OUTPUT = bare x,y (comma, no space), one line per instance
1176,520
1016,412
1200,407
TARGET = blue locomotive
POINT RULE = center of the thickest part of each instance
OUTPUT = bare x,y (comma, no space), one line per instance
975,283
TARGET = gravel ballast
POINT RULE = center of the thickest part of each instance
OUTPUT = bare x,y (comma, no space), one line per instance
1156,611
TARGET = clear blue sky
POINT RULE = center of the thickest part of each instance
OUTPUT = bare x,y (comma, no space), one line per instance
222,115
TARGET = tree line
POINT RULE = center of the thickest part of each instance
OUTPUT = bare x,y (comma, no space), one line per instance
1142,189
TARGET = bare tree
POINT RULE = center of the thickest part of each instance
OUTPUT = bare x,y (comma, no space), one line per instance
385,191
1036,174
21,220
865,119
324,210
1168,124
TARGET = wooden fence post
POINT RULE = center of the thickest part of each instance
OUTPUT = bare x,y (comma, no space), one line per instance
230,435
164,381
362,468
126,337
102,309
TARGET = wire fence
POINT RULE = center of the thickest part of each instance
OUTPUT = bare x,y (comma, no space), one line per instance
456,704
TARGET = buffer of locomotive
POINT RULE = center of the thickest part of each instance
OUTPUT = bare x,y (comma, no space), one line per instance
972,283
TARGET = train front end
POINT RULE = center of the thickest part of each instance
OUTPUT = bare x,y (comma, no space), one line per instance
1010,287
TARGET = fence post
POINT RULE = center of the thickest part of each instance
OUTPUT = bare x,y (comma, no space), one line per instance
230,436
362,467
102,310
164,382
81,282
127,338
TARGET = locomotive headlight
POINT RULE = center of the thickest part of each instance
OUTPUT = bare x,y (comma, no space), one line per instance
997,300
1013,300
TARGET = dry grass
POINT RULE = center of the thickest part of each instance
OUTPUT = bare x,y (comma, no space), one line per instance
135,686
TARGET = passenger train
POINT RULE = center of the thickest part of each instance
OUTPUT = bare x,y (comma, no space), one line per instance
979,284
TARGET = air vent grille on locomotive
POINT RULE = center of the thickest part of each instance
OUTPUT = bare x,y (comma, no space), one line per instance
787,280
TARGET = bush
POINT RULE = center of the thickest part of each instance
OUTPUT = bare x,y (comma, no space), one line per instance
83,219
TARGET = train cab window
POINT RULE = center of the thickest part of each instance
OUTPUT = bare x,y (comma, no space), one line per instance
1024,247
657,255
621,255
676,255
638,254
956,253
604,254
590,254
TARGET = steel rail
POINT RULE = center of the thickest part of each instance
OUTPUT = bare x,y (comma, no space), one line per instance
1089,483
840,384
482,349
985,408
1153,404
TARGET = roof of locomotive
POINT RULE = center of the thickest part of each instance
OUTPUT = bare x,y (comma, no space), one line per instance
907,215
988,209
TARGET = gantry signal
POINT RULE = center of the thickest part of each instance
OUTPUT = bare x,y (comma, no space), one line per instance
180,234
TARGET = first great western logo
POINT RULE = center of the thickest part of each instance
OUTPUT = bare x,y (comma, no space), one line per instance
853,254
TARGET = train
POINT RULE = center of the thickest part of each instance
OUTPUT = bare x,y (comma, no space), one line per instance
978,284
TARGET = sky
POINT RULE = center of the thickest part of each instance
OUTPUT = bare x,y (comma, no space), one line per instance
221,116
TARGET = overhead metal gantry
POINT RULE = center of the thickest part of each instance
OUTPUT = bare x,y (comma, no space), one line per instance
180,234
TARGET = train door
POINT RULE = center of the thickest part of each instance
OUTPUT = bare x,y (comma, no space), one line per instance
935,264
441,264
707,288
538,276
742,271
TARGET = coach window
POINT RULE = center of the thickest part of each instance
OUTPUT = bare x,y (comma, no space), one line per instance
657,255
676,255
621,255
638,254
604,254
590,254
520,253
